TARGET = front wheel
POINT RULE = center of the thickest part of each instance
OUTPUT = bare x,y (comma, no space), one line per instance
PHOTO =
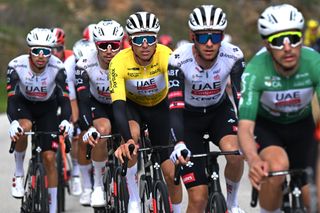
161,202
40,198
121,193
217,203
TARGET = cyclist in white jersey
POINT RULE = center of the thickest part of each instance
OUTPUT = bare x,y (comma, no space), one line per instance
80,48
94,98
36,86
199,104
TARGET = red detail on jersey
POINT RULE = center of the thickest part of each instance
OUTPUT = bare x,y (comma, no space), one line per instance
54,145
176,105
238,95
235,128
8,87
175,94
205,92
67,54
81,88
188,178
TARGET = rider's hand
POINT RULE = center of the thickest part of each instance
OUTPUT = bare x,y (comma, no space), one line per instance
123,150
66,127
258,171
15,130
88,138
176,156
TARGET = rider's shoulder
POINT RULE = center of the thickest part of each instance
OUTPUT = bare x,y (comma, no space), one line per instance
180,54
231,51
19,61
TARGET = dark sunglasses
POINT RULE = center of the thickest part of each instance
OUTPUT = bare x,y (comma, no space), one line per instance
58,48
44,51
276,41
139,39
104,45
203,38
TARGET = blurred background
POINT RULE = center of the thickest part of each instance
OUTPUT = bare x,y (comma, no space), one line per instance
18,17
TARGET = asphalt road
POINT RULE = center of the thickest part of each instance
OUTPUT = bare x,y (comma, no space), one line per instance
9,204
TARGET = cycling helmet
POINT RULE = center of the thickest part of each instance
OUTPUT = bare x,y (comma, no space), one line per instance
108,30
142,22
279,18
207,17
82,47
312,24
88,32
41,37
165,40
60,35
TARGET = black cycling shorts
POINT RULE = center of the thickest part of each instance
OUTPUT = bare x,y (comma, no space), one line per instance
43,114
218,122
296,138
157,120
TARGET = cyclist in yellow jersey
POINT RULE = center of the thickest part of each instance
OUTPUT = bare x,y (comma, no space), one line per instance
312,33
138,87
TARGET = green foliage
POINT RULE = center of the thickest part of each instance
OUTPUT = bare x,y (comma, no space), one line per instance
3,96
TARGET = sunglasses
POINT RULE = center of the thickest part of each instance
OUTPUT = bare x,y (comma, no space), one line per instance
203,38
277,41
58,48
44,51
104,45
140,39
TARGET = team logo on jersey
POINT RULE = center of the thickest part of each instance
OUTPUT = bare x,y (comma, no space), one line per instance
286,99
206,89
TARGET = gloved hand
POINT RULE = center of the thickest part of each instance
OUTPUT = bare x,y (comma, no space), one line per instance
15,130
66,127
176,153
86,136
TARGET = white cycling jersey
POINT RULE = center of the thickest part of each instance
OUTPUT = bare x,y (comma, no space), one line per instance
98,77
70,66
33,86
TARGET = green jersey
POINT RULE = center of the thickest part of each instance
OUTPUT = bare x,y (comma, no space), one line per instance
275,97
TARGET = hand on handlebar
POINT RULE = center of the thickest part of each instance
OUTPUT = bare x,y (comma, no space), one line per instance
89,138
66,128
258,172
123,150
176,156
15,130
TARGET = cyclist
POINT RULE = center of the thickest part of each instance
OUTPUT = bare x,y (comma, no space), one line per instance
36,84
312,33
94,98
166,40
276,127
59,48
199,104
138,86
80,48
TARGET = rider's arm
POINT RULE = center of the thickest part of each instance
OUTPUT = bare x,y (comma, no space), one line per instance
176,102
118,96
12,83
83,94
235,76
63,95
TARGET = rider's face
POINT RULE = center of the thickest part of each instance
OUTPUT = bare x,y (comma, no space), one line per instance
144,45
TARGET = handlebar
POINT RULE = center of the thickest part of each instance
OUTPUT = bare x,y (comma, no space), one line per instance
125,163
178,168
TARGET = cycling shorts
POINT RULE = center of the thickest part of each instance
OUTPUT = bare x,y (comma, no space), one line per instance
217,123
44,116
157,120
296,138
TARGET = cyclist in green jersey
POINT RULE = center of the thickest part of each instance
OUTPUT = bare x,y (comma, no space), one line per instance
275,121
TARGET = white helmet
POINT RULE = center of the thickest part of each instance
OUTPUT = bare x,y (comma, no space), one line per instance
41,37
108,30
207,17
88,32
142,22
83,47
279,18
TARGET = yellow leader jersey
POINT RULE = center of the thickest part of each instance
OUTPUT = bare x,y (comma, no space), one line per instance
144,85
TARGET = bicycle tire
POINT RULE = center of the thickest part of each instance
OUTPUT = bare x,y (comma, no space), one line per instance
121,192
145,197
161,202
26,201
40,197
107,182
217,203
61,195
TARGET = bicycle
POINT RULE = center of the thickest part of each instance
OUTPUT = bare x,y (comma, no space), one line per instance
36,198
151,181
64,167
114,180
291,191
216,199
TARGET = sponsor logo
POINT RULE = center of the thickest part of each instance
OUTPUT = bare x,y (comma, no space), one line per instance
179,64
188,178
228,56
